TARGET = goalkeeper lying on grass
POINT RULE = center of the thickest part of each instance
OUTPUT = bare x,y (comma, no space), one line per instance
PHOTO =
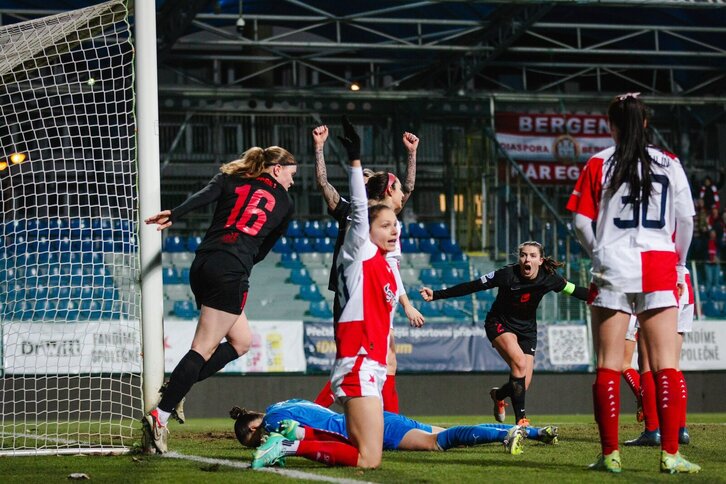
305,429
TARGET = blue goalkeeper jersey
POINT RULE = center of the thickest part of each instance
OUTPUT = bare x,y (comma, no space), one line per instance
309,414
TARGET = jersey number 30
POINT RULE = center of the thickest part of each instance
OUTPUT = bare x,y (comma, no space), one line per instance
251,208
637,208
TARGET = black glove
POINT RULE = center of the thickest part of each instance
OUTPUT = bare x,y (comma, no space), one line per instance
351,140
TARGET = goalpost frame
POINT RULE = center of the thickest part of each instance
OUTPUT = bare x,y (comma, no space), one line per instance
149,182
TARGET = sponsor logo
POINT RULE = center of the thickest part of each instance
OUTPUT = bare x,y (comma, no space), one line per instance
524,298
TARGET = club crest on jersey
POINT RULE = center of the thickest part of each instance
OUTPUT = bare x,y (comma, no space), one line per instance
230,237
524,298
390,295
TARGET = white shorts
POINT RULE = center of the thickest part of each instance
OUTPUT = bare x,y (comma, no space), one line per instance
685,314
631,302
357,376
632,333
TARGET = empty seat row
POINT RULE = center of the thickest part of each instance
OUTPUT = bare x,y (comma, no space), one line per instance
329,228
18,246
58,227
304,245
44,310
175,243
18,292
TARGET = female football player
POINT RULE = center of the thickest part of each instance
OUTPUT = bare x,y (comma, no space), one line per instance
252,212
637,194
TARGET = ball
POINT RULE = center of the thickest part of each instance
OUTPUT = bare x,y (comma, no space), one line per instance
91,81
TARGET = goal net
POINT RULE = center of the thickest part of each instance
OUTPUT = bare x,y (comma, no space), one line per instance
69,270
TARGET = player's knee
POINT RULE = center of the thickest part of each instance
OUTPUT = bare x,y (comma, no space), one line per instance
519,365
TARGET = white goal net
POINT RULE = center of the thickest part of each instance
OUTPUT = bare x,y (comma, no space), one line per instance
69,267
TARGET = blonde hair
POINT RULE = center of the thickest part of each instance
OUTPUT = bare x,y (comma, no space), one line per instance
254,161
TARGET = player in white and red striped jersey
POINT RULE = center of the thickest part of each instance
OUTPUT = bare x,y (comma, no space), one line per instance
637,194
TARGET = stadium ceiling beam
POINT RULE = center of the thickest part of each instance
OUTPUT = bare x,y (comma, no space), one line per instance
612,3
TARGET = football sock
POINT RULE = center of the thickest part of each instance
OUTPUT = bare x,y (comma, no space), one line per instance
323,435
325,398
328,453
669,408
518,397
469,435
632,377
390,395
505,390
184,376
606,394
650,402
163,415
224,353
684,399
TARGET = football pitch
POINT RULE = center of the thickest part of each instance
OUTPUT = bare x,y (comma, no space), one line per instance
206,451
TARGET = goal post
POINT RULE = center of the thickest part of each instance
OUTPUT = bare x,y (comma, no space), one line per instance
72,265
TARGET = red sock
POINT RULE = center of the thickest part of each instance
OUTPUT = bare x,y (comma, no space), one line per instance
669,408
325,398
650,401
606,392
324,436
390,395
328,453
684,399
632,377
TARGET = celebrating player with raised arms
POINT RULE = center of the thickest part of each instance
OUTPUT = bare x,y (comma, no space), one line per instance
252,212
511,323
637,194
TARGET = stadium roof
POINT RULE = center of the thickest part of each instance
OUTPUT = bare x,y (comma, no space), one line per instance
518,50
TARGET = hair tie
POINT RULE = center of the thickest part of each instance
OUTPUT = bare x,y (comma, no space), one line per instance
628,95
389,184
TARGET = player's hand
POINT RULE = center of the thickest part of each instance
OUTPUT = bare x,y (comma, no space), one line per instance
680,288
415,318
410,141
161,219
350,140
320,136
427,294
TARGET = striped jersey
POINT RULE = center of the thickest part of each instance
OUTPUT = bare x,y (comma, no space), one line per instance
634,240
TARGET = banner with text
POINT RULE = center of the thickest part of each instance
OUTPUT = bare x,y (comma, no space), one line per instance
551,147
276,346
453,347
71,348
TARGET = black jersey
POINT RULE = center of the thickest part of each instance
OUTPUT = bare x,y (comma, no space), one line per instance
341,214
517,298
251,214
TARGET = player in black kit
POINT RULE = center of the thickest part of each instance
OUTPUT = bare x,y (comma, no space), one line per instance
253,211
511,323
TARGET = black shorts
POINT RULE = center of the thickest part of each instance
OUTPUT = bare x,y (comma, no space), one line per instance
219,281
527,340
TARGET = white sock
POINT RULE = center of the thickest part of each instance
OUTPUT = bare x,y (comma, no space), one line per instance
290,447
163,416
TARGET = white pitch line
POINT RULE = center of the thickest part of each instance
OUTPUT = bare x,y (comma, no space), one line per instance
275,470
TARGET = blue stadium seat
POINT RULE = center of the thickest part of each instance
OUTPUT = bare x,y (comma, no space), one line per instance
313,228
440,260
170,276
324,244
450,247
452,276
430,310
408,245
454,312
193,242
438,230
294,229
79,228
428,246
320,310
14,227
711,309
184,275
300,276
57,228
302,245
102,228
282,246
404,231
185,309
331,229
290,260
459,259
67,310
90,310
310,292
174,243
430,277
418,230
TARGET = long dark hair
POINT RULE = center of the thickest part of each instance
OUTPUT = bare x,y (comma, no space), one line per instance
242,418
628,115
550,265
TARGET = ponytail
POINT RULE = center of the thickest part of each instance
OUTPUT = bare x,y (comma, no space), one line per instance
256,160
628,116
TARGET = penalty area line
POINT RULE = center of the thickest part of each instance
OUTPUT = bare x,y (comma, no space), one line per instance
292,474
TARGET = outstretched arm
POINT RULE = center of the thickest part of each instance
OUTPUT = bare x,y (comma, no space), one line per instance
410,141
458,290
579,292
205,196
331,195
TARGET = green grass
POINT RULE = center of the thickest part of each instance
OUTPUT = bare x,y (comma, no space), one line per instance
540,464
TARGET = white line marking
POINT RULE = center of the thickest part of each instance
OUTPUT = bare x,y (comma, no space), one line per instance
275,470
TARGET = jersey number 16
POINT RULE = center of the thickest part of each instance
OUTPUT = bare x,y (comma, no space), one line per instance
251,208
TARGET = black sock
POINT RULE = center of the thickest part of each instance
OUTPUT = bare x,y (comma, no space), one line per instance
505,390
184,376
518,393
224,353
